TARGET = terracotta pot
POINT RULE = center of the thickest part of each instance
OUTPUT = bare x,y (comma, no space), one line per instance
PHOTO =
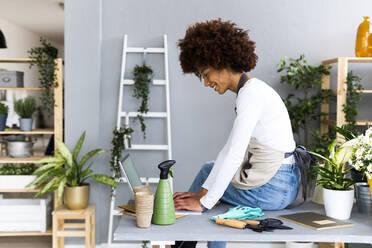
77,197
370,185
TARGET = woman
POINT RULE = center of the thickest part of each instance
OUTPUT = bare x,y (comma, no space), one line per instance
221,53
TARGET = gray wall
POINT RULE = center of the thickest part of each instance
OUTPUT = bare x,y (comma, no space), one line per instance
201,119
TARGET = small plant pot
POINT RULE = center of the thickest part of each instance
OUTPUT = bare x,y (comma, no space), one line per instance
338,203
25,124
363,198
76,197
19,149
16,181
3,119
370,185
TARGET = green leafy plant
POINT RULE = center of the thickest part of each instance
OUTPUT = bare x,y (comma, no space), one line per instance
142,76
16,169
65,168
118,146
4,109
352,97
26,107
306,108
43,58
333,172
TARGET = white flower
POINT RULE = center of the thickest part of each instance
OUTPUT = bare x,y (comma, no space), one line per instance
369,175
369,132
358,164
359,153
368,156
369,168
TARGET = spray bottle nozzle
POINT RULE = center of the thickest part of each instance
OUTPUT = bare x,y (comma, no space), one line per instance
165,167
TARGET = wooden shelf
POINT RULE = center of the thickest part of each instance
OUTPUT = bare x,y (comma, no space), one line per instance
35,131
22,88
33,159
348,59
364,123
8,234
16,60
19,190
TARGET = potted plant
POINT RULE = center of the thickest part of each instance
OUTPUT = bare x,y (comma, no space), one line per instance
68,174
25,108
362,158
3,115
338,190
14,176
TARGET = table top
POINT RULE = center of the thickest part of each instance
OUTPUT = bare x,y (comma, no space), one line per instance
202,228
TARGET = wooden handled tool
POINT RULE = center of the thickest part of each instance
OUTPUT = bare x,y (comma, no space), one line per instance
231,223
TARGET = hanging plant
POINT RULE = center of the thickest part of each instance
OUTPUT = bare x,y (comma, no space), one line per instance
44,59
142,76
118,145
352,98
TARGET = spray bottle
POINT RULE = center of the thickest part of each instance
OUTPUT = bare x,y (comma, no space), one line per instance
164,213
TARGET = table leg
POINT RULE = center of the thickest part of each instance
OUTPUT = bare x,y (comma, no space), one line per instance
61,240
55,227
87,232
93,226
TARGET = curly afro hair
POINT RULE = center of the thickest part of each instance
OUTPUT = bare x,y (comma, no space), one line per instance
218,44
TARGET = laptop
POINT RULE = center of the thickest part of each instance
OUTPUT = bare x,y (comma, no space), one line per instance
130,173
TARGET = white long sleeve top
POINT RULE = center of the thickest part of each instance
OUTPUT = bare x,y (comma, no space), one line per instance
261,114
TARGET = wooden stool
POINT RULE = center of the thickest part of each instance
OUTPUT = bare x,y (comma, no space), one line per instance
86,229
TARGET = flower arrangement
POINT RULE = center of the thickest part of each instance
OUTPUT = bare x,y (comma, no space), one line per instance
362,157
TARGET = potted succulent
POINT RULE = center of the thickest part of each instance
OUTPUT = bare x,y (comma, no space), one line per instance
68,174
362,158
14,176
3,115
338,190
25,108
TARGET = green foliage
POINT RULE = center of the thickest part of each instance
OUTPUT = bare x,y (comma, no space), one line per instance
333,172
66,169
352,97
322,141
118,146
303,109
17,169
44,58
26,107
142,76
4,109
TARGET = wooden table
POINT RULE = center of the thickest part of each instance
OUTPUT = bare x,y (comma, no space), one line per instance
201,228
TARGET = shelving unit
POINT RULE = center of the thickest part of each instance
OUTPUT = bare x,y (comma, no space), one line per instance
340,92
57,131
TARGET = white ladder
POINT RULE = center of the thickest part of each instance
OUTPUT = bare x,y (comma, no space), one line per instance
126,115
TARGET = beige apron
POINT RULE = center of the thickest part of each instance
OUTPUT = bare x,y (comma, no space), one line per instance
265,162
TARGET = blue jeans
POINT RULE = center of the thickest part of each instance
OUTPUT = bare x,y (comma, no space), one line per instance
276,194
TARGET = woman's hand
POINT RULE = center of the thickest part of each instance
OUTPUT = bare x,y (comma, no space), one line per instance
191,204
183,195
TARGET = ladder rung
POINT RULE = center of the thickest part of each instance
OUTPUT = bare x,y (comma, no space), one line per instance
365,91
149,147
143,180
147,50
154,82
148,114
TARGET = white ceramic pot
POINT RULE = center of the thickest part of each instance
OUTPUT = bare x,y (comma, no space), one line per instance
16,181
338,203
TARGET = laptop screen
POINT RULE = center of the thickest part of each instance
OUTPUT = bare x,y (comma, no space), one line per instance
129,171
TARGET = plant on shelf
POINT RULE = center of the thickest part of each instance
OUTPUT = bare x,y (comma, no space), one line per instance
352,97
4,109
16,176
66,172
338,193
142,76
25,108
362,158
118,145
43,58
303,76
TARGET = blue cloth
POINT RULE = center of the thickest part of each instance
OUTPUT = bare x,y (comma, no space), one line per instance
276,194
